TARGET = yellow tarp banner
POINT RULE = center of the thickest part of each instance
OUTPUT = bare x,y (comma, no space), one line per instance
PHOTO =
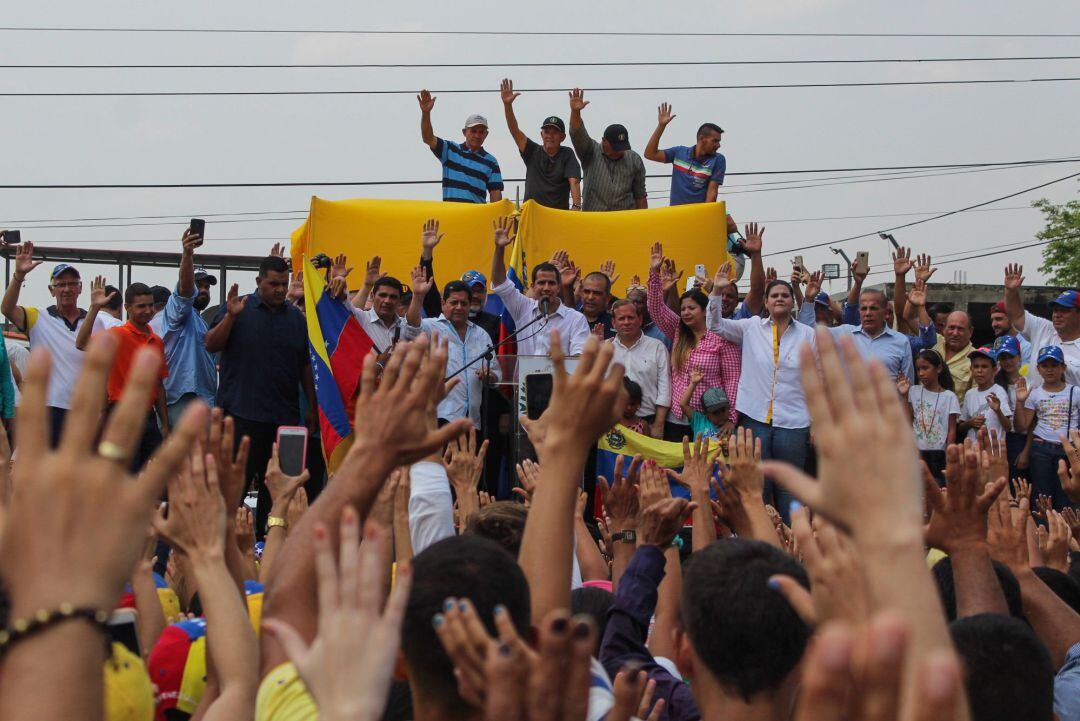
362,228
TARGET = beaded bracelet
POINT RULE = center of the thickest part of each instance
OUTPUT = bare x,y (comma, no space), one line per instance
22,629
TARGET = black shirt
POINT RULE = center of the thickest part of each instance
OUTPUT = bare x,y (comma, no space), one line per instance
546,177
262,362
605,320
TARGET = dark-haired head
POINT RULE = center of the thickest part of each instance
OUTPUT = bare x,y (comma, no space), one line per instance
739,633
945,379
692,306
273,281
502,522
595,603
1062,584
460,567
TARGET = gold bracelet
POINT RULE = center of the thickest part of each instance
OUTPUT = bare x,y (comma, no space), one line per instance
276,521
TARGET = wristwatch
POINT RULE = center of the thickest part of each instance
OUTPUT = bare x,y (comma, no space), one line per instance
624,536
275,521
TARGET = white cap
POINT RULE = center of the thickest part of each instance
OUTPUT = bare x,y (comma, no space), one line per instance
473,120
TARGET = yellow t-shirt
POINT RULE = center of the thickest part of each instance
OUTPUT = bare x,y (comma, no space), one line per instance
284,697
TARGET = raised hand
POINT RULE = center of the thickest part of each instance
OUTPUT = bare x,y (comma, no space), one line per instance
698,467
528,473
506,91
696,376
669,277
98,297
608,269
634,692
421,281
652,485
1056,553
465,462
1069,474
770,274
754,236
426,100
231,464
348,668
196,521
664,114
1007,531
620,498
282,488
277,251
577,100
1022,390
1014,276
813,286
857,273
190,241
923,269
722,279
76,527
902,261
959,511
339,268
24,259
233,302
505,231
656,257
917,295
373,271
903,385
430,236
661,521
297,507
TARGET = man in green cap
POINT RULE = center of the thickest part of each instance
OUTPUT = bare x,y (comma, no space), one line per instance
552,171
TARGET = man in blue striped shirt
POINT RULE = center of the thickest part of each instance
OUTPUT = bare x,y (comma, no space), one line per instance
470,173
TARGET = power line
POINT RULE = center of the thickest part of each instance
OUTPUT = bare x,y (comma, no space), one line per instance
526,33
302,184
1012,248
474,91
513,64
926,220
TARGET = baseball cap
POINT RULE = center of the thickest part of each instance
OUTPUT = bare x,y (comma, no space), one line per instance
128,693
1068,299
64,268
201,274
617,137
473,277
1007,345
476,119
823,299
1051,352
714,399
999,307
555,122
985,352
178,667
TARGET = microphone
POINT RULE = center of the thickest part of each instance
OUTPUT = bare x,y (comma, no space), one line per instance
544,303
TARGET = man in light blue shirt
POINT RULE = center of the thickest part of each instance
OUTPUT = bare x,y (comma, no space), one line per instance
468,342
873,336
192,372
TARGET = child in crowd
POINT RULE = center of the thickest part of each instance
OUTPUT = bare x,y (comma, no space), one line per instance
986,404
630,418
934,409
1015,385
1050,411
716,405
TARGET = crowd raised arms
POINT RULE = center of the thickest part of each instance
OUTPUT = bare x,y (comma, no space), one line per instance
830,508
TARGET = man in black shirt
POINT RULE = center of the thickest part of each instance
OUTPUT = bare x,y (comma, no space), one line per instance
552,171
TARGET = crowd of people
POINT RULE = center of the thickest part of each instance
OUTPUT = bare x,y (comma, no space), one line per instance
874,519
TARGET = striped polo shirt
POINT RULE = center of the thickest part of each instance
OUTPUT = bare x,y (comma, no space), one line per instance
467,175
690,176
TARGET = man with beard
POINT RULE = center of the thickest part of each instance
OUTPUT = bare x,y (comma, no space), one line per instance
595,299
1002,326
192,372
490,322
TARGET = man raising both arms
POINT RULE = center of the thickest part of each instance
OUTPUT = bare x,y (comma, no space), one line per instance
552,172
572,326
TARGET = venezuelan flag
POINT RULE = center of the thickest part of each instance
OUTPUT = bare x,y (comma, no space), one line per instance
337,345
621,441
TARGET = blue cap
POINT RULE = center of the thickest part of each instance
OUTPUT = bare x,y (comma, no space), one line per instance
63,268
1068,299
823,299
474,277
1051,352
1007,345
985,353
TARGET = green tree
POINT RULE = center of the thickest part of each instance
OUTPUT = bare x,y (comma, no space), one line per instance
1061,257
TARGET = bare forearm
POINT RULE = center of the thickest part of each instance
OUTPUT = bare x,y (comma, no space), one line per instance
899,296
218,336
1014,307
186,284
82,338
151,615
512,126
402,539
10,306
67,657
575,192
652,151
275,539
977,587
498,267
1052,619
468,502
590,560
704,525
621,554
755,296
426,131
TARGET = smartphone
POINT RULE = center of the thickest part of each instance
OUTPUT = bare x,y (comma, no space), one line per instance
123,628
538,388
862,262
198,226
292,449
700,271
12,237
799,264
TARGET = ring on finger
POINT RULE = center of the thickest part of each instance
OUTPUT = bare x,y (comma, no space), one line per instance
112,452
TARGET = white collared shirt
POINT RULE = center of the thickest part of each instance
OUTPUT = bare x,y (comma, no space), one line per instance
1041,333
534,340
763,382
382,335
463,400
648,364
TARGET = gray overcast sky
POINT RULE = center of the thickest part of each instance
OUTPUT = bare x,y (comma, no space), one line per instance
237,139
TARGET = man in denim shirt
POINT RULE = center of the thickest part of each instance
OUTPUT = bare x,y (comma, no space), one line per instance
192,373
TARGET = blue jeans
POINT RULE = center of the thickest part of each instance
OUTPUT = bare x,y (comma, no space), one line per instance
176,408
780,444
1043,473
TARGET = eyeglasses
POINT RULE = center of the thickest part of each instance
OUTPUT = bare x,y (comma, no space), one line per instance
67,285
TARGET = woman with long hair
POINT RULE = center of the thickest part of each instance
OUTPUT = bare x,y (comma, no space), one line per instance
694,347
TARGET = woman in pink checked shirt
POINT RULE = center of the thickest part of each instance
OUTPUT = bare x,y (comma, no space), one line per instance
695,346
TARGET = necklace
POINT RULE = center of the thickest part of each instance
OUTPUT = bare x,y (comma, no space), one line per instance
922,424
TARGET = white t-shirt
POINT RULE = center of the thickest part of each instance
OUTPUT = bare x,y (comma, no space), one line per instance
1041,333
19,356
1055,412
930,416
975,404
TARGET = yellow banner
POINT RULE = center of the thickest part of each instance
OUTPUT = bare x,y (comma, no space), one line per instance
361,228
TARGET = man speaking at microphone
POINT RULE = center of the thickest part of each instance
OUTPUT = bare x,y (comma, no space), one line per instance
534,340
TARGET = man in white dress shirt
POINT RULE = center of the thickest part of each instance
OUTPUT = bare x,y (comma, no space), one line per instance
646,361
381,322
534,340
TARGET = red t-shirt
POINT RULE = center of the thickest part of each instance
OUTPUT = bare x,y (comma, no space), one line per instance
129,341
